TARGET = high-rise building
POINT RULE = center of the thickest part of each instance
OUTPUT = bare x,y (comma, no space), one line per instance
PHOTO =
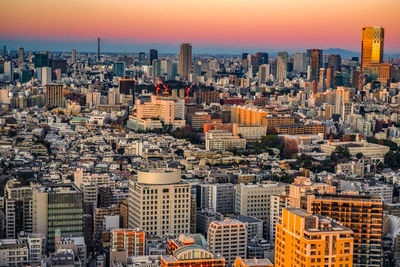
159,203
153,55
363,215
54,95
335,61
119,69
227,238
185,61
8,71
98,49
130,240
18,208
21,54
263,73
218,197
73,55
255,200
281,70
127,87
372,46
299,62
41,60
303,239
46,75
278,202
262,58
142,58
57,207
156,69
314,56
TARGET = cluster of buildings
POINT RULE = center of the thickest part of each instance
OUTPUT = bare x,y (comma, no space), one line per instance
162,160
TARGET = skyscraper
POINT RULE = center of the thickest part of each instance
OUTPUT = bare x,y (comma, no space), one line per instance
54,95
363,215
98,49
185,61
262,58
21,54
315,62
8,71
127,87
41,60
46,75
372,46
57,207
153,55
156,69
281,71
335,62
119,69
299,62
263,73
303,239
73,55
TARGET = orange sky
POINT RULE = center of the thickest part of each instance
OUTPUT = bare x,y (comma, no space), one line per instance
235,23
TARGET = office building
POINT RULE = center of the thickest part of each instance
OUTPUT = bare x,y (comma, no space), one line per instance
159,203
185,61
263,74
98,49
303,239
8,71
129,240
218,197
278,202
315,62
57,207
21,54
262,58
119,69
282,62
73,55
227,238
255,200
46,75
18,208
372,46
153,55
41,60
363,215
127,87
54,95
156,69
335,61
254,227
221,140
300,62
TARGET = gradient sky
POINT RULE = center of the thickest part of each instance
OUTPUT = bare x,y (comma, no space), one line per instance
234,24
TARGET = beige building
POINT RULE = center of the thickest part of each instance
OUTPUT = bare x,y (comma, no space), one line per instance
159,203
227,238
255,200
220,140
301,191
374,151
249,132
278,202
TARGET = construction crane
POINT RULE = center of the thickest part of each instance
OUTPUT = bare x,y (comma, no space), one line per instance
151,80
187,92
165,86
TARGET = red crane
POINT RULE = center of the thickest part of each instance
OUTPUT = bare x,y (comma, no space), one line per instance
187,92
151,80
165,86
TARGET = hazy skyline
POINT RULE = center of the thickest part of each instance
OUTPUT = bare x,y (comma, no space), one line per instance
211,26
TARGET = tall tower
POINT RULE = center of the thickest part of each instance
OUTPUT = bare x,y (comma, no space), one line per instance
282,61
153,55
21,54
185,60
372,46
98,49
315,61
73,55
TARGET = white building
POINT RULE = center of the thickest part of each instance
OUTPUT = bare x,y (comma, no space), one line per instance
227,238
220,140
159,203
46,75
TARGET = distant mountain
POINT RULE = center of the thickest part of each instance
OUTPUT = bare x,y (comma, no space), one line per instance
342,52
348,53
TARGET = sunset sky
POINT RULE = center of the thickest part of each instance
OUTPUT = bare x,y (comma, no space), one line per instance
217,24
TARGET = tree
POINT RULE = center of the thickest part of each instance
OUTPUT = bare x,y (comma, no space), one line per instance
359,155
179,152
121,150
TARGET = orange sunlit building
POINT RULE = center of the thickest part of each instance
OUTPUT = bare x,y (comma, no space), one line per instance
130,240
294,129
363,215
247,115
303,239
302,190
185,240
271,121
371,46
239,262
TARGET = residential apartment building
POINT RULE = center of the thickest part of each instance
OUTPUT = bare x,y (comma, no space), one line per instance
130,240
220,140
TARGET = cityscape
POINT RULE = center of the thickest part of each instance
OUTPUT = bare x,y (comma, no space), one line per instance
199,133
